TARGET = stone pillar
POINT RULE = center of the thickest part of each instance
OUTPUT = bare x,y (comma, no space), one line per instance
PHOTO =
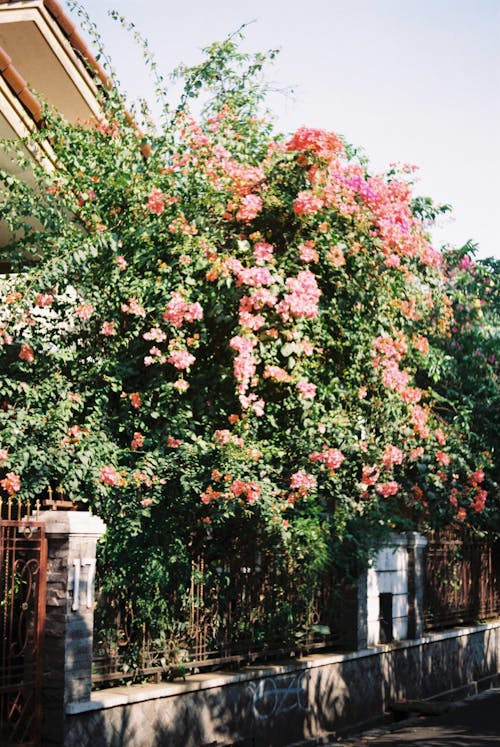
416,544
72,538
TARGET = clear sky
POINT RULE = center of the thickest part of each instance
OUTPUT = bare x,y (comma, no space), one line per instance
415,81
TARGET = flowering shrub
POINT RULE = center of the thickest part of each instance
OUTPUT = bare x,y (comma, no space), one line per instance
237,333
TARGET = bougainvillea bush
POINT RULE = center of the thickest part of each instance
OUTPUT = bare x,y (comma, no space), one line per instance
219,335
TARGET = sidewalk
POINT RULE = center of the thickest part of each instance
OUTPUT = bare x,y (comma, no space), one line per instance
474,722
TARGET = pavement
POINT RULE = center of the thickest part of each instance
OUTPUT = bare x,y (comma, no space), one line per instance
474,722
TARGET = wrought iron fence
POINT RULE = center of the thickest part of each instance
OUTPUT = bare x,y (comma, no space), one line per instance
236,611
23,562
462,580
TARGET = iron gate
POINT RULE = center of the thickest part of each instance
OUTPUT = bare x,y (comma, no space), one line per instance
23,566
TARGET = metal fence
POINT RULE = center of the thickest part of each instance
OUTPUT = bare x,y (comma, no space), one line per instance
462,580
237,611
23,566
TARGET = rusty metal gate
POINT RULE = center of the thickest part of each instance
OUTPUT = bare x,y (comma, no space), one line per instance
23,566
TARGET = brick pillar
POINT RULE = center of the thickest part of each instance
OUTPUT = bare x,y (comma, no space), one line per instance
72,538
416,544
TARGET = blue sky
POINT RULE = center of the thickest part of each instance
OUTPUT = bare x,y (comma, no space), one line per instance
415,82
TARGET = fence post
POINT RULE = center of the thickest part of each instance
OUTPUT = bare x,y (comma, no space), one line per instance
416,544
72,538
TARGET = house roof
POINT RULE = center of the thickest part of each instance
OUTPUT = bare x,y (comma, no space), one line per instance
19,26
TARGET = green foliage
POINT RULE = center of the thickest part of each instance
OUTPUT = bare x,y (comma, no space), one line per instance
238,337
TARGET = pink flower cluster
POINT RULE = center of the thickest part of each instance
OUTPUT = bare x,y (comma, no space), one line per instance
391,456
307,203
11,483
275,373
26,354
137,441
302,300
44,299
387,488
178,310
369,475
84,311
331,458
133,307
181,359
224,437
302,482
325,144
262,252
419,419
245,364
251,205
155,203
306,389
249,490
109,475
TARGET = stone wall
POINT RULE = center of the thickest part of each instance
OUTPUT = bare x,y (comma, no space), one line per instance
274,706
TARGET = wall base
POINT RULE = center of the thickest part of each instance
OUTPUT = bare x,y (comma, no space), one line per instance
278,705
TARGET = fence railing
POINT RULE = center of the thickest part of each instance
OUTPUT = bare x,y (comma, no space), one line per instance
462,580
238,611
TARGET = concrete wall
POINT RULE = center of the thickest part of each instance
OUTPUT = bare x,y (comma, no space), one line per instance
274,706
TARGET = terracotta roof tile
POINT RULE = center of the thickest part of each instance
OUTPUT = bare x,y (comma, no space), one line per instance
18,85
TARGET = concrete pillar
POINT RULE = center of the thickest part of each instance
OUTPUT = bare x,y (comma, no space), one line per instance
72,538
416,544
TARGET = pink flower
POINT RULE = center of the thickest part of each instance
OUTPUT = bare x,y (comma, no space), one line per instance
302,301
173,443
178,310
392,455
137,441
479,501
335,256
121,262
134,308
422,344
431,256
251,205
369,475
251,490
155,203
109,475
419,420
262,252
332,458
302,482
85,311
26,354
135,400
181,385
440,436
181,359
392,260
443,458
324,143
11,483
307,389
4,455
307,252
387,488
44,299
156,334
108,329
275,373
306,203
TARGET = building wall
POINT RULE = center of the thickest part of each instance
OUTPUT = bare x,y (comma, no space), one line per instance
274,706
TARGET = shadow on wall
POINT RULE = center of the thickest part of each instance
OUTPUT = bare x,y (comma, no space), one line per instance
275,710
